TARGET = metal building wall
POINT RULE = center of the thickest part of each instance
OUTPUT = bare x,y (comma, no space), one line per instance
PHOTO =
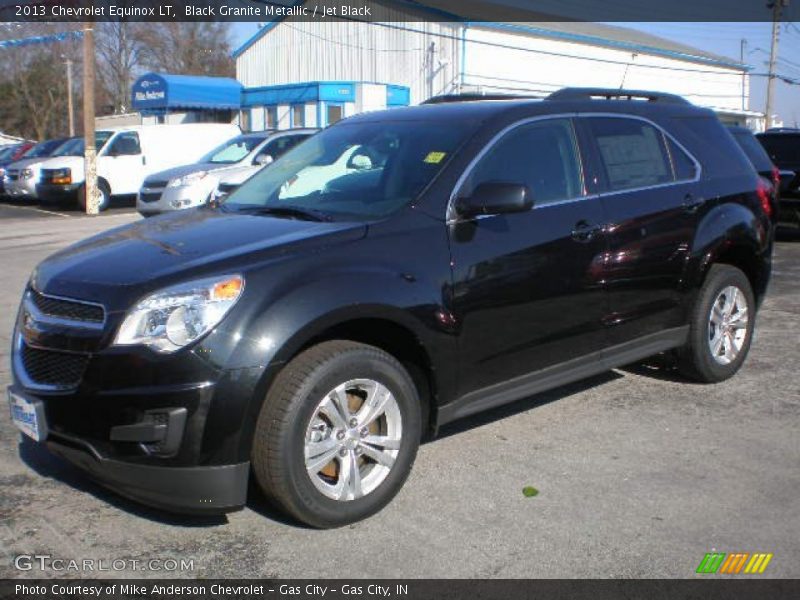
437,58
422,56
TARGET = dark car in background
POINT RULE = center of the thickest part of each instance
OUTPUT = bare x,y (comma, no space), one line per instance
783,147
314,326
760,160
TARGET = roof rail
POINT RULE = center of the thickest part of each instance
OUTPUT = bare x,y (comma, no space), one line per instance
612,94
474,97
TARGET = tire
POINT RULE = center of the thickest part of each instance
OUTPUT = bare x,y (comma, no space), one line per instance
105,196
698,360
299,417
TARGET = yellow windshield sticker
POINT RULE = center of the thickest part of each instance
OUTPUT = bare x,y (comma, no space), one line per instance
434,158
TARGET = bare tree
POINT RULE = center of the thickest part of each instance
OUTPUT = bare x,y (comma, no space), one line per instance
33,82
119,49
194,48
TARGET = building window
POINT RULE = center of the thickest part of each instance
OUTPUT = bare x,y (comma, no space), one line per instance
270,117
335,112
298,115
245,120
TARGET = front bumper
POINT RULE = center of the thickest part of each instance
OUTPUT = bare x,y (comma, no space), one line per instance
172,198
188,490
21,188
51,193
171,431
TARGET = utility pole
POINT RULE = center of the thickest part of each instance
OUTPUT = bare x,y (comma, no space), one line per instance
742,48
90,155
70,108
777,9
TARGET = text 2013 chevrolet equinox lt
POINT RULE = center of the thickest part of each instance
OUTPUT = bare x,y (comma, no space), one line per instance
321,320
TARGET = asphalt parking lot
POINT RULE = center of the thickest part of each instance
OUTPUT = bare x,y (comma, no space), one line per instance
639,473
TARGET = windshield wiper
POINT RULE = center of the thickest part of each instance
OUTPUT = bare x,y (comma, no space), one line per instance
295,212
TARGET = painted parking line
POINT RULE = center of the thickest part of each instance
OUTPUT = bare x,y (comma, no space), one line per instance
41,210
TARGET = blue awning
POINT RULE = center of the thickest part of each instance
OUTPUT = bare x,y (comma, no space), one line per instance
162,91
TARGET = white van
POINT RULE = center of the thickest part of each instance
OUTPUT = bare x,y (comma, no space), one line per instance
126,155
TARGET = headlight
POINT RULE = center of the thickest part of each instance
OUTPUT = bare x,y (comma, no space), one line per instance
2,172
176,316
188,179
26,173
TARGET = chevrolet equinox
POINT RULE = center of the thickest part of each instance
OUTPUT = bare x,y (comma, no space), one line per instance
315,325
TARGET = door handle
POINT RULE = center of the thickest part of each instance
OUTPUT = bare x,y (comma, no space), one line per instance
692,204
585,232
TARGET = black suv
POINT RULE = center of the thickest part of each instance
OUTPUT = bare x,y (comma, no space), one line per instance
398,271
783,147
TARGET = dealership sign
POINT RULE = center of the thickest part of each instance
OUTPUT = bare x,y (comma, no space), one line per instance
149,92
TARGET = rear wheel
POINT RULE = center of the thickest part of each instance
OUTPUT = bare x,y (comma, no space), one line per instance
721,326
338,434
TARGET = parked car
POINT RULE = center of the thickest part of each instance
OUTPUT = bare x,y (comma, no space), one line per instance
125,156
760,160
22,175
349,162
9,154
783,147
194,184
500,249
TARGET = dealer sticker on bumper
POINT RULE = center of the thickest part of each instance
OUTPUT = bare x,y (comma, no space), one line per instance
28,416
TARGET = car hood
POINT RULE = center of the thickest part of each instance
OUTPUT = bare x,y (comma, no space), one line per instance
58,162
175,172
239,174
135,259
26,162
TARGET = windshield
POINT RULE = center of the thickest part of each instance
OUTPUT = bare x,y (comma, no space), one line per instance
6,152
233,150
356,170
783,148
76,147
42,149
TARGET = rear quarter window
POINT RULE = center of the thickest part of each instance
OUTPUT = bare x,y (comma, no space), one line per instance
712,144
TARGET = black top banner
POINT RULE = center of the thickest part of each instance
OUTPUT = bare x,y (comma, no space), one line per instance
400,10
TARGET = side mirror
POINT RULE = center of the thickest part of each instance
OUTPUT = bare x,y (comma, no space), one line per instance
263,159
359,162
494,198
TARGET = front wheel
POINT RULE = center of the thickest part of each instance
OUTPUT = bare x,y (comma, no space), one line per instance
338,434
721,326
103,192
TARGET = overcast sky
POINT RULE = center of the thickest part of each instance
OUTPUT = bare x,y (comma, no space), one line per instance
720,38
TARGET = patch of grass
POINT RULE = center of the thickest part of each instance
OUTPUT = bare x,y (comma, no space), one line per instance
529,491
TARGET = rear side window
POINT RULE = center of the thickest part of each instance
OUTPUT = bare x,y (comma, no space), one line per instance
279,147
542,155
633,153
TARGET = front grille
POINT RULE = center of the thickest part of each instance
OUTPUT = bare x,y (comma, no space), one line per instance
155,184
227,188
12,175
149,196
71,310
51,368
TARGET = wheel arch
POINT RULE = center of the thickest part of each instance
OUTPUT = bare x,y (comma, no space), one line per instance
734,236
